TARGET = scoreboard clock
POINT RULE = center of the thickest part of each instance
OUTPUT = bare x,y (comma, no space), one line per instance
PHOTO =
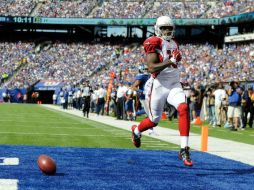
26,20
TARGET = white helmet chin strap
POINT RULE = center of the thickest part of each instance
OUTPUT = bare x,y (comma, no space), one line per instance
167,37
159,34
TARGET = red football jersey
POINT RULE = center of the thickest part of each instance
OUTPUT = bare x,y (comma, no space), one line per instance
158,45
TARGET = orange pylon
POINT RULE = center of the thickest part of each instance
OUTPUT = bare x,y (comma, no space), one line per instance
198,121
204,138
163,116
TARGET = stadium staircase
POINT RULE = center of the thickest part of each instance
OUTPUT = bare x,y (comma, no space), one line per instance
35,9
155,4
104,69
12,77
40,47
212,5
90,14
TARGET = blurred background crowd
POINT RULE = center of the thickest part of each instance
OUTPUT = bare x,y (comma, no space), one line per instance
74,62
125,9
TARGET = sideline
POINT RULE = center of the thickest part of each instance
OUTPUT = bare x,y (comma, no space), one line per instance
224,148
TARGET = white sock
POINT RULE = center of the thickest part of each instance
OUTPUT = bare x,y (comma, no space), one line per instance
136,131
184,141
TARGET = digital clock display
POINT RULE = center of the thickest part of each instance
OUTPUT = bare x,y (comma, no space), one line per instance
28,20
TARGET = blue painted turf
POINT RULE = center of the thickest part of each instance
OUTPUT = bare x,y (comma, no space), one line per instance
91,168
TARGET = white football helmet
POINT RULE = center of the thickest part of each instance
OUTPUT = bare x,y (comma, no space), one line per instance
143,69
164,21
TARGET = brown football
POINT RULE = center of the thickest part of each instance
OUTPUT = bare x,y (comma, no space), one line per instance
46,164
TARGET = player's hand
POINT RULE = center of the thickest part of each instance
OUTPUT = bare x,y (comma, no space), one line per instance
176,56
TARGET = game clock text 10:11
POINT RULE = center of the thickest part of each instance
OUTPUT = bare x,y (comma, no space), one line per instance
27,19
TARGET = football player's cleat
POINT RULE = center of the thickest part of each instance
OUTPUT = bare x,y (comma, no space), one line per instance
135,138
184,155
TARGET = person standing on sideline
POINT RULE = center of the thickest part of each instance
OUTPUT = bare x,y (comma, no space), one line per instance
234,105
129,107
87,90
100,102
54,98
121,90
219,95
162,57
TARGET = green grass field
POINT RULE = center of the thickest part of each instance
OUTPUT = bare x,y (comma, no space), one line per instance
245,136
27,124
24,124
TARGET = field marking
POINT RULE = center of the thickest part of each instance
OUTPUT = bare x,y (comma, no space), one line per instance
9,184
157,144
73,135
154,146
56,127
54,122
9,161
112,130
149,141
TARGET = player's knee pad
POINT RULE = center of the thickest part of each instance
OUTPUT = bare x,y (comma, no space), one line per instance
182,109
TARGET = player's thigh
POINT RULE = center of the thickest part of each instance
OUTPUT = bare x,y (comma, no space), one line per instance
176,96
156,102
145,105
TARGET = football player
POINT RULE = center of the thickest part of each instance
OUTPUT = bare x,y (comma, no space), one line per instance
162,57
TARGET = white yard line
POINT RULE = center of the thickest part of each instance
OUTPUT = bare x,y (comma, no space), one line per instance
9,184
55,134
155,146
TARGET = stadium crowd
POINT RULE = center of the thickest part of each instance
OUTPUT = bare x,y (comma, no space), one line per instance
59,61
65,9
17,8
73,62
125,9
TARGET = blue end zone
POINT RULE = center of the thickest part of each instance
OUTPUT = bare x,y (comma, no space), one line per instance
91,168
